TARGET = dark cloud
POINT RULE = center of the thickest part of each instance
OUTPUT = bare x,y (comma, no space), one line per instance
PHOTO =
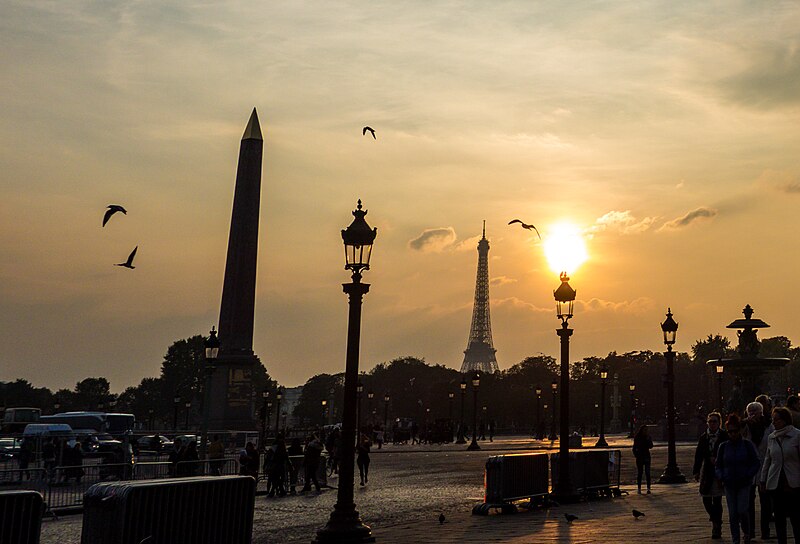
433,239
689,218
772,79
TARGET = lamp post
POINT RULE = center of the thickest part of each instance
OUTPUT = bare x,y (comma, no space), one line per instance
56,407
176,401
188,408
554,389
324,405
150,417
278,397
370,396
720,371
476,382
601,441
565,299
211,353
266,421
385,411
460,438
264,417
359,392
450,396
672,474
632,389
345,524
537,431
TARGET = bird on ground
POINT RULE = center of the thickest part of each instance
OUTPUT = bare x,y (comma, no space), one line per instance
129,262
441,519
112,209
637,514
371,131
570,517
526,226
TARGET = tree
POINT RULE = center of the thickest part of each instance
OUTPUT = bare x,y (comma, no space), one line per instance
91,392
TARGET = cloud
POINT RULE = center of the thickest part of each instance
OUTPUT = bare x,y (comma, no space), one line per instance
689,218
640,305
781,181
433,240
771,79
621,222
502,280
468,244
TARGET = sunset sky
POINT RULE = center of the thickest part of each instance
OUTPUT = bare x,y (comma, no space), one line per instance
666,133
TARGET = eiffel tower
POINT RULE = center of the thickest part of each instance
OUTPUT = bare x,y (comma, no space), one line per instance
479,354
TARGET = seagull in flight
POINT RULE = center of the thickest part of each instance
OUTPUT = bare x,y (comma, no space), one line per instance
371,131
526,226
112,209
129,262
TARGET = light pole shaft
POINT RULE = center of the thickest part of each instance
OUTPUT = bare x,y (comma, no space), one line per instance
671,459
564,481
277,417
603,411
538,416
209,370
460,438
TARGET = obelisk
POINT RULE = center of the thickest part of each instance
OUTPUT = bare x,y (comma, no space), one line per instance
231,405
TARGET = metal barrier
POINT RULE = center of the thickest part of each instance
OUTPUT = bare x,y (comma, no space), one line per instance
20,517
513,477
592,472
202,510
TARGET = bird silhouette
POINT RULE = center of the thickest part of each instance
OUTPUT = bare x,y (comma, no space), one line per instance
129,262
526,226
637,514
371,130
441,519
570,517
112,209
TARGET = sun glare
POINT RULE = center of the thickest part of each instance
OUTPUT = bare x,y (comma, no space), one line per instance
564,248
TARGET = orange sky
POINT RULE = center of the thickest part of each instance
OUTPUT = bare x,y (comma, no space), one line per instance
667,133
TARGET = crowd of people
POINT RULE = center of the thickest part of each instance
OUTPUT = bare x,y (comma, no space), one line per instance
757,453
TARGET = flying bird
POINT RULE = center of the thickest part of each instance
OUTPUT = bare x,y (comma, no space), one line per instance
441,519
526,226
637,514
570,517
371,131
129,262
112,209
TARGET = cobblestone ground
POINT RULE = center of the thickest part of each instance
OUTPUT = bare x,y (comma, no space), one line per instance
410,485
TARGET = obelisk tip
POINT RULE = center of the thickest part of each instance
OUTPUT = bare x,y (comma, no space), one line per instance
253,130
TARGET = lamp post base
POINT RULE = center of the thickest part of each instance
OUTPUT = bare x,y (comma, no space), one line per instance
473,446
344,527
601,443
461,440
672,475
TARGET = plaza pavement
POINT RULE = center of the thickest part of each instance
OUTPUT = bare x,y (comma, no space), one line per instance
410,486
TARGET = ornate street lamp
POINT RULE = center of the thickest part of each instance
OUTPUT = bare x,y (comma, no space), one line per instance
672,474
385,411
345,524
278,397
601,441
632,389
565,299
460,438
175,403
211,353
476,382
554,389
264,417
720,371
359,393
537,431
370,396
324,405
150,416
56,407
450,396
188,407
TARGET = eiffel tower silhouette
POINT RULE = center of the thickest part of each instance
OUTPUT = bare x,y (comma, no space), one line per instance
480,353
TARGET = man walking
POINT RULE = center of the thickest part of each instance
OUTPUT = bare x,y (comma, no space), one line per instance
705,456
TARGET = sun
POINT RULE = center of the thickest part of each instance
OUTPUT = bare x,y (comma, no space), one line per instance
564,248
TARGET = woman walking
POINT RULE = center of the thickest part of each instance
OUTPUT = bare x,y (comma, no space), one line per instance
705,456
737,464
642,444
362,460
780,473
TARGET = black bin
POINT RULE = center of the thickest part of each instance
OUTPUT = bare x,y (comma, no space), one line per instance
20,517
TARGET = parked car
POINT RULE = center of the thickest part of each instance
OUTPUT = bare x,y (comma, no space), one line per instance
9,447
153,444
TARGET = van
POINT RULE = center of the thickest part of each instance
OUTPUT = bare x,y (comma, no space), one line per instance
38,430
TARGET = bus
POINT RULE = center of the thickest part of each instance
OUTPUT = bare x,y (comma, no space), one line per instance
15,419
113,424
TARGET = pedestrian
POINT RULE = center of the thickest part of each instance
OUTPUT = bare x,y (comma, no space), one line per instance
780,473
190,458
73,462
736,465
705,455
379,437
491,430
757,428
333,444
248,461
24,457
311,457
642,444
49,457
793,404
362,458
216,455
174,457
280,459
295,453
